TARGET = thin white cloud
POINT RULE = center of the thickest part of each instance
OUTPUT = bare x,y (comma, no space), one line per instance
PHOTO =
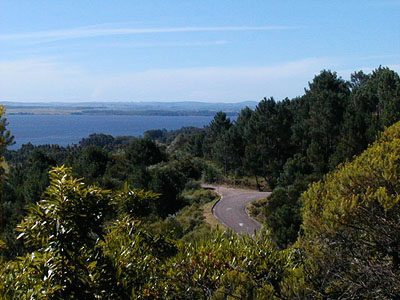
164,44
87,32
47,80
41,80
77,48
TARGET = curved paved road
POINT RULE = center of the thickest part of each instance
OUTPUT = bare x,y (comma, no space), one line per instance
231,209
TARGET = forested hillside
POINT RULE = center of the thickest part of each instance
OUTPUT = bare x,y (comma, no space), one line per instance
285,145
122,217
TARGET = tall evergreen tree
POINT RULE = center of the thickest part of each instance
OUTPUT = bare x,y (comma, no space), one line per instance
268,139
6,139
374,104
320,119
215,146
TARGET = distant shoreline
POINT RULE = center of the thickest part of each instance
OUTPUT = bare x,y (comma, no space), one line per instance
66,129
127,108
117,113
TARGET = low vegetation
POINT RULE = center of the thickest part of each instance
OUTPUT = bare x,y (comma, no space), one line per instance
123,218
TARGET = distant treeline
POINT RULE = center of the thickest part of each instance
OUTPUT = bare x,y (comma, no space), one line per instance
285,145
122,231
290,143
148,113
129,108
105,112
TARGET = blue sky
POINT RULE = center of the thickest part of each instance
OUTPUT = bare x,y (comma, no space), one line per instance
211,51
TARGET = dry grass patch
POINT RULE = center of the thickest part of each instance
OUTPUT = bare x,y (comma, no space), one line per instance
255,210
209,218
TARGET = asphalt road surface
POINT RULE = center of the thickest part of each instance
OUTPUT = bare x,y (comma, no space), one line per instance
231,209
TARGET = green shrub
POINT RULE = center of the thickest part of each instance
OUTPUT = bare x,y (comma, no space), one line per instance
352,226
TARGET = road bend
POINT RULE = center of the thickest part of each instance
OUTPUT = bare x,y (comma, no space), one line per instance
231,209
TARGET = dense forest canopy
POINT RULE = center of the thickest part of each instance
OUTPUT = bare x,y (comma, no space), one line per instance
122,217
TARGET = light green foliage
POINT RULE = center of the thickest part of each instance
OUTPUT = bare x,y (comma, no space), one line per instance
136,257
74,254
31,277
135,202
84,242
372,179
199,196
227,267
69,211
352,225
62,230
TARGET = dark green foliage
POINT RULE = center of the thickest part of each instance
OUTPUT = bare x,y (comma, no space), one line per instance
194,145
135,203
184,131
156,134
97,139
296,169
212,146
22,187
24,184
374,104
57,153
91,164
210,174
144,152
268,139
6,138
199,196
219,124
74,255
187,225
233,143
36,176
27,177
282,215
333,121
321,119
106,141
88,242
169,181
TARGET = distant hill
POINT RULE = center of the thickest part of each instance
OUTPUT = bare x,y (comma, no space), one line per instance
128,108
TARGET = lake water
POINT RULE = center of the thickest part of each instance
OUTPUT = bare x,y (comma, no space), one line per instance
70,129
